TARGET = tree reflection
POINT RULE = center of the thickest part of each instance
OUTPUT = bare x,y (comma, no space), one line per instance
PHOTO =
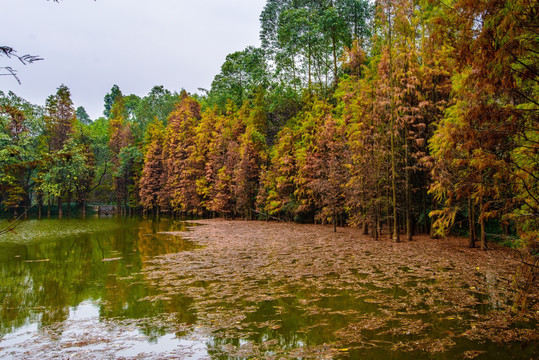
41,282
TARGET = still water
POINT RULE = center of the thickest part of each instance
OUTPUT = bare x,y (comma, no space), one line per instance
86,289
79,281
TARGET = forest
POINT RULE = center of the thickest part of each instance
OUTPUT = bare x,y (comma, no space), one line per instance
398,116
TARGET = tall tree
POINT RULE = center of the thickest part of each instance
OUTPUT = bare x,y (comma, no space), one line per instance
241,75
120,138
179,146
59,126
153,171
21,152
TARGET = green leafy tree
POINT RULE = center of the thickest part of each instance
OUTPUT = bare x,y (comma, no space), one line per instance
241,75
21,152
83,116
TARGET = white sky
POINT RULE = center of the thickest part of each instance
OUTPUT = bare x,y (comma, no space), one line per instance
137,44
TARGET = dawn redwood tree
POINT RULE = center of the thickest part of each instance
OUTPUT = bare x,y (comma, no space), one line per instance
494,118
59,127
207,154
308,158
224,159
366,142
153,170
276,197
253,156
120,137
331,174
180,141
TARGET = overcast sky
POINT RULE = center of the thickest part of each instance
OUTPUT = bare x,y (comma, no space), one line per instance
91,45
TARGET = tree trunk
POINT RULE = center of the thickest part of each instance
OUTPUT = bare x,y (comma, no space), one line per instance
426,216
69,204
394,185
49,206
118,205
376,224
39,204
483,234
84,207
60,213
365,226
392,138
471,223
334,221
408,218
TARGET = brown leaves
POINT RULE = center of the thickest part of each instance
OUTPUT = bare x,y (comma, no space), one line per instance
255,280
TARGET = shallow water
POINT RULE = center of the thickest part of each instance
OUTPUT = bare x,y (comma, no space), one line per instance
101,288
67,280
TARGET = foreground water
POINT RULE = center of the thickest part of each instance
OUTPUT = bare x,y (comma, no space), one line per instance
106,288
64,281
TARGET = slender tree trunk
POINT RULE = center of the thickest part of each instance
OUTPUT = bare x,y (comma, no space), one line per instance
426,216
310,81
376,224
471,223
483,233
394,185
388,213
335,69
49,206
392,136
408,217
334,220
84,207
69,204
39,204
118,204
60,213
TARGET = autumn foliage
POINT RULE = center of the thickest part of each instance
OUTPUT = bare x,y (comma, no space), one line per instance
398,117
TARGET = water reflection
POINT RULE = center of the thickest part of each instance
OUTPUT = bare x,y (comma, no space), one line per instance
93,261
96,285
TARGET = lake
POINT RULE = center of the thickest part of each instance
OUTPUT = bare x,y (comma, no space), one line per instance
129,288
